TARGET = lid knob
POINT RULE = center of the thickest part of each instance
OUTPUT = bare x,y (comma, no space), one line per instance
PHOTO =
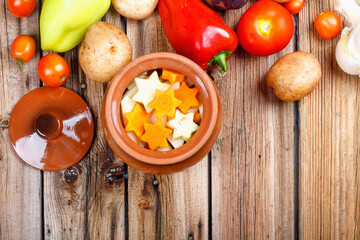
48,126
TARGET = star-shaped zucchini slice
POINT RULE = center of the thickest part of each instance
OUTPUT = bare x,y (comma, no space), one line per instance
165,103
155,135
147,88
183,125
136,120
187,96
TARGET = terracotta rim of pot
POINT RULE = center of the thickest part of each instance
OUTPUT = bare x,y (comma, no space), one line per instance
154,61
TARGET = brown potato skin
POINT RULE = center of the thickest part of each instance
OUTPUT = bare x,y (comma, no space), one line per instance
294,76
104,52
135,9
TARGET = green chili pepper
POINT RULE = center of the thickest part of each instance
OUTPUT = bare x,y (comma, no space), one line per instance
63,23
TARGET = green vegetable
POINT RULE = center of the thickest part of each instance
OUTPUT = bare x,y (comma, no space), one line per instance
63,23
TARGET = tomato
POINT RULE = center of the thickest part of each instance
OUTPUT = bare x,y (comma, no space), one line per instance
53,70
328,25
294,6
281,1
23,49
21,8
265,28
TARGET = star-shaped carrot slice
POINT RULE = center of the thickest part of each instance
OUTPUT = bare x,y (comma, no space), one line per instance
146,90
165,103
136,120
187,96
172,76
155,135
183,125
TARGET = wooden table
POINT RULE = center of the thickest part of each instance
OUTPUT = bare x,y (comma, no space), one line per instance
278,170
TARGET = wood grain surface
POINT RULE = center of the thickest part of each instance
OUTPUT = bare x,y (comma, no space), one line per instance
20,185
329,143
253,163
278,170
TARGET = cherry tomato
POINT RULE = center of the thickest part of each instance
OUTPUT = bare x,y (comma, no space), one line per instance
294,6
328,25
265,28
21,8
23,49
53,70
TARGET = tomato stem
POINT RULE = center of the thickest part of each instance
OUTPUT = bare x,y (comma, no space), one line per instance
20,61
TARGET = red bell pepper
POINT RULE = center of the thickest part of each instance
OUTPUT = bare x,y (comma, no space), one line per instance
197,32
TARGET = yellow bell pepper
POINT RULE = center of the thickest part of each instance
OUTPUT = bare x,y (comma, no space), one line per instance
63,23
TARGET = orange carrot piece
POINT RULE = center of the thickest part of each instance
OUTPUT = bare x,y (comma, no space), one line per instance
155,135
172,76
136,120
187,96
165,103
197,117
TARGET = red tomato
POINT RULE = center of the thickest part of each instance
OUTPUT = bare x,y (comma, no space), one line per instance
23,49
328,25
294,6
21,8
53,70
265,28
281,1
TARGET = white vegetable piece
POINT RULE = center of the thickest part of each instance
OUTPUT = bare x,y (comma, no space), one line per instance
153,118
131,85
133,137
130,93
127,105
175,85
176,143
164,149
201,110
143,75
348,48
193,110
183,125
147,88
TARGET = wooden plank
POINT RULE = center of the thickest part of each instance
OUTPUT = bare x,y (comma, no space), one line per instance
253,161
87,201
20,184
329,142
172,206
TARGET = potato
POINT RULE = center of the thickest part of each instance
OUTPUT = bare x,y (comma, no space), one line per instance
104,51
294,76
135,9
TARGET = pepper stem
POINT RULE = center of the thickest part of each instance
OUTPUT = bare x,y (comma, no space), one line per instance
220,60
20,61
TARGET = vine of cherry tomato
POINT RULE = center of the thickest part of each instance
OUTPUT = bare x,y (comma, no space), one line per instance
23,49
53,70
265,28
21,8
294,6
328,25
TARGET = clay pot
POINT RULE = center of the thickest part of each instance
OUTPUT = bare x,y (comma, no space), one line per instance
51,129
155,162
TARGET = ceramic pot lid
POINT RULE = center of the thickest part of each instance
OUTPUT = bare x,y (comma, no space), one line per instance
51,129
